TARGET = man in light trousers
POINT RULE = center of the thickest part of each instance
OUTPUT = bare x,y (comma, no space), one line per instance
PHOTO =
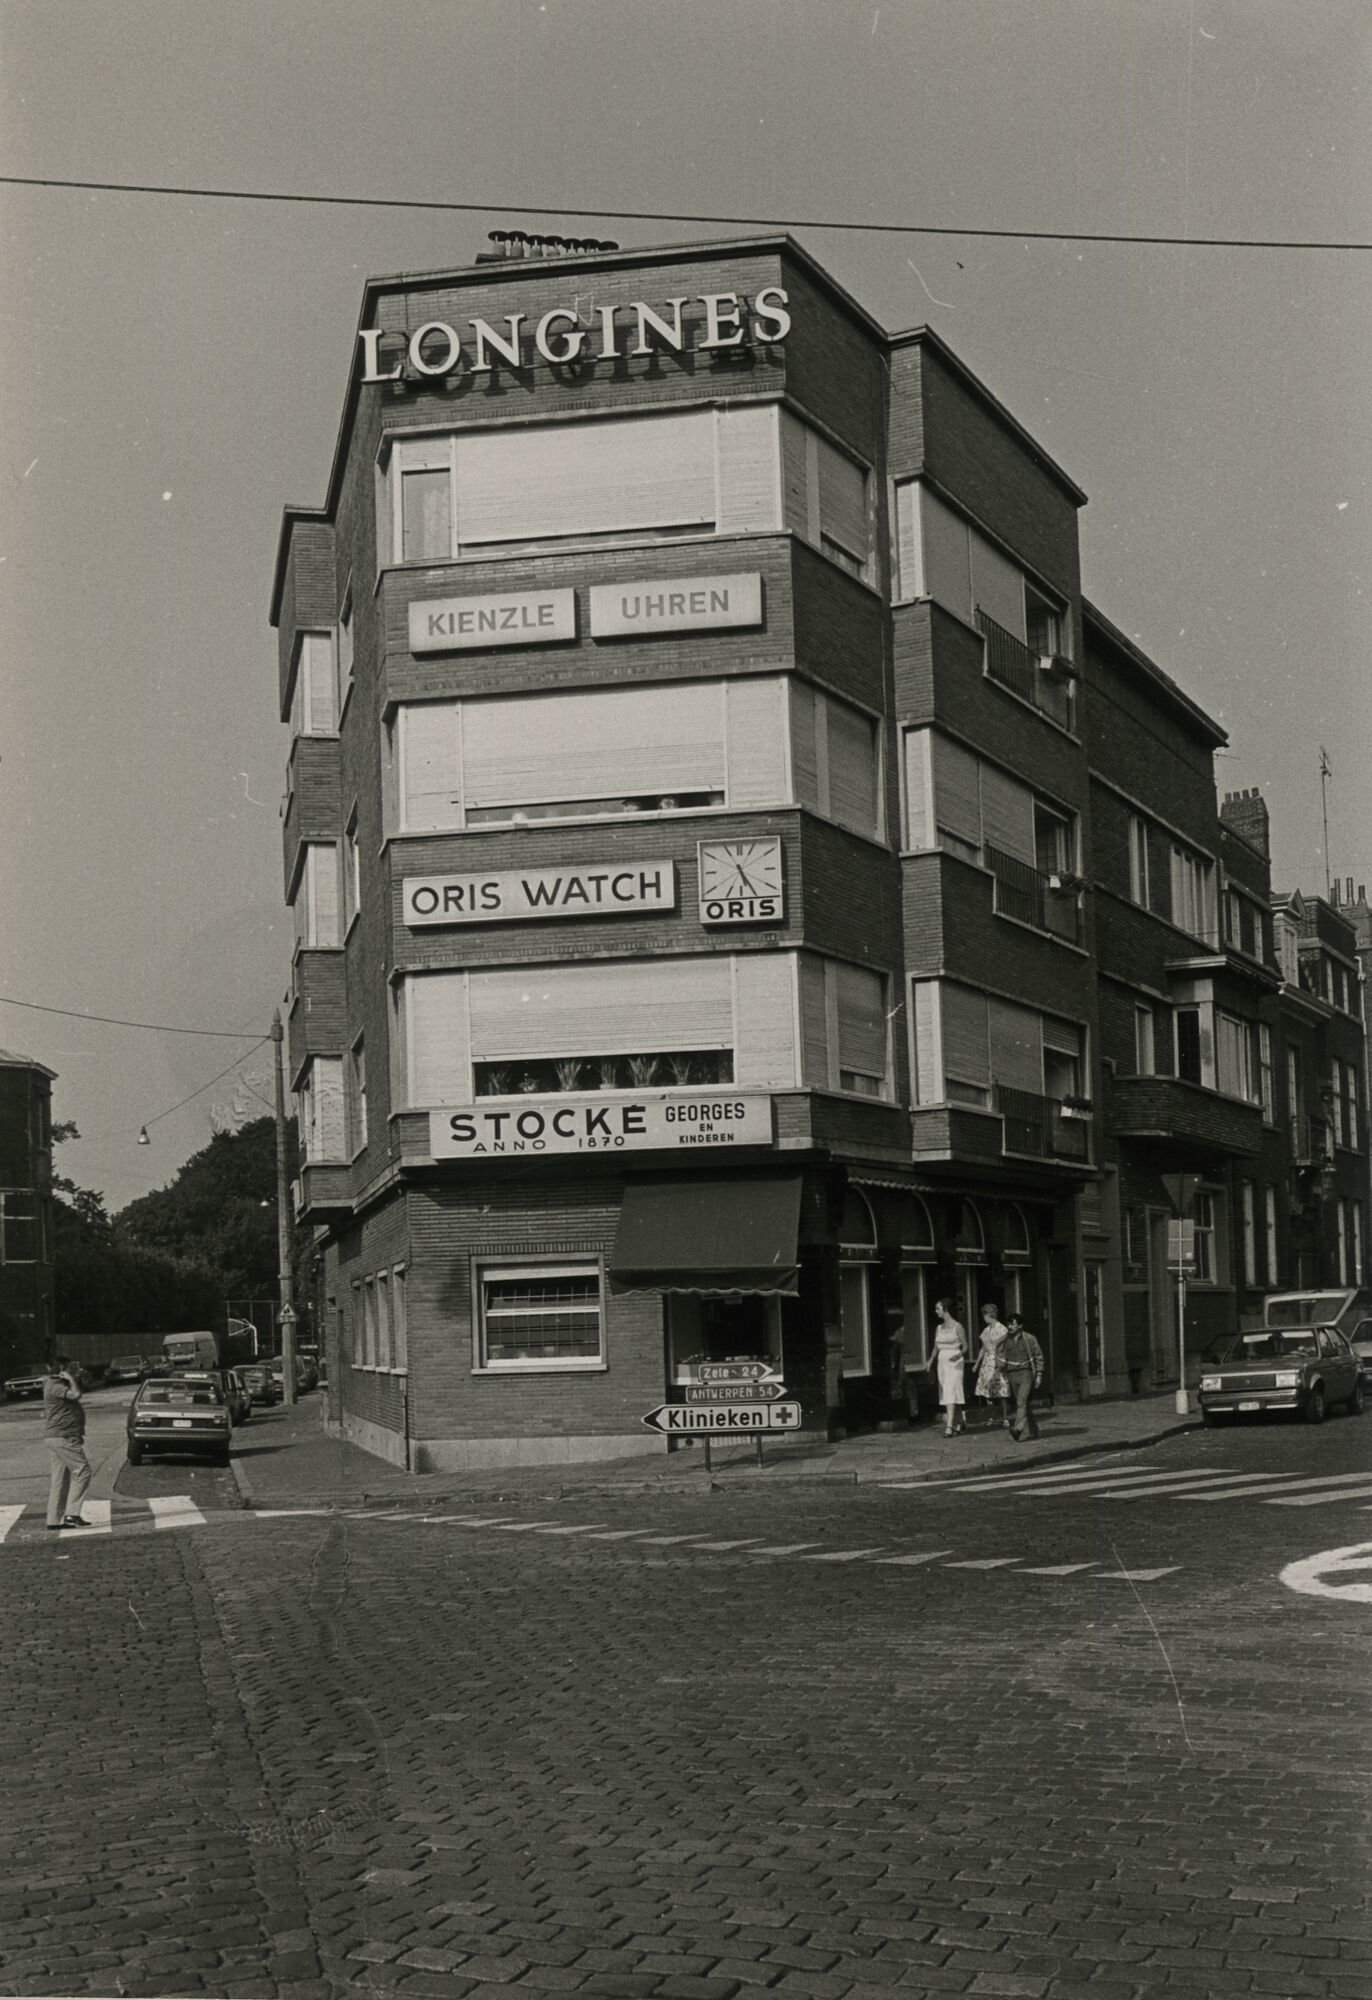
64,1434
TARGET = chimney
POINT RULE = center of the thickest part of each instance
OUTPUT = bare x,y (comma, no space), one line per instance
1245,814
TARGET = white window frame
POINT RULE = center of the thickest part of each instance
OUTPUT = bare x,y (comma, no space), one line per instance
487,1272
1209,1219
1192,877
345,647
1248,1198
304,722
400,1320
369,1322
356,1106
1267,1088
383,1322
357,1344
1145,1052
351,885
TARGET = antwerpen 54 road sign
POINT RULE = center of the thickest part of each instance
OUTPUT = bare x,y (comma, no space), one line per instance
677,1419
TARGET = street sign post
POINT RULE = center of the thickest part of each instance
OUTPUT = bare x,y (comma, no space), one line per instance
735,1392
722,1419
1181,1255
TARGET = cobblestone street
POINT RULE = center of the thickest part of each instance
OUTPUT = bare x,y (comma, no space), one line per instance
823,1746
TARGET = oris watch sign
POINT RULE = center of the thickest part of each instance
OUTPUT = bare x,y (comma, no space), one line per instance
503,895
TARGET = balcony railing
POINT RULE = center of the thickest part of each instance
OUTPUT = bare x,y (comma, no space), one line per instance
1043,1127
1027,894
1013,665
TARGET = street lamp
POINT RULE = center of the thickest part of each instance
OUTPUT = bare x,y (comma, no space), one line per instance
286,1315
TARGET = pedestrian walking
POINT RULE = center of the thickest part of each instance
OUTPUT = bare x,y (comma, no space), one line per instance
64,1433
949,1356
1022,1360
992,1384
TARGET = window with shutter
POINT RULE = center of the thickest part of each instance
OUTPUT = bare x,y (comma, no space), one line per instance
805,743
593,1010
843,526
429,769
997,586
436,1039
854,788
764,1005
1007,814
314,702
624,475
749,470
908,579
966,1043
322,1120
814,1023
755,742
1016,1036
919,789
957,797
862,1036
947,565
611,749
928,1057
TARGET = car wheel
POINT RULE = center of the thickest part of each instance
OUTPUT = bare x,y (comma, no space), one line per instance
135,1454
1209,1419
1357,1402
1314,1405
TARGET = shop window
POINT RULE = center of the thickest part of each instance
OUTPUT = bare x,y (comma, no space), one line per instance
855,1311
539,1317
706,1329
314,697
19,1226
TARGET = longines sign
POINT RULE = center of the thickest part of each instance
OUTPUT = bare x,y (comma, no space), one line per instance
567,334
670,1122
520,893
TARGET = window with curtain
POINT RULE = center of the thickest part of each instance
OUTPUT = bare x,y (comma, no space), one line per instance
1266,1082
539,1317
1193,892
1138,861
1233,1054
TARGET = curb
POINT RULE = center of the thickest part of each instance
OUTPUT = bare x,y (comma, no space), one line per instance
1063,1457
246,1496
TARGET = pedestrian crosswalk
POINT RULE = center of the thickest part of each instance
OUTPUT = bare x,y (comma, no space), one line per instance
745,1548
1113,1483
25,1522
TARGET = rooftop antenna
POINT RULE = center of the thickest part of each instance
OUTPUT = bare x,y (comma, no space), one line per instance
1326,773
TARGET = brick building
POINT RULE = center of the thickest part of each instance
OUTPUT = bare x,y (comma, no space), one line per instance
26,1278
702,946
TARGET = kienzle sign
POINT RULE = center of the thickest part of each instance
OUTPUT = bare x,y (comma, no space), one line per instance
507,894
671,1122
571,334
519,618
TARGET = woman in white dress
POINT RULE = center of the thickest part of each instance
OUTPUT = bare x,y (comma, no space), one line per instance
950,1357
992,1383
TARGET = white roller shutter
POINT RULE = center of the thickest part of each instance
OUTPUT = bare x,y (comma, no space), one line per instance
928,1057
997,586
1016,1047
440,1070
919,804
598,744
748,469
316,665
795,484
623,475
1007,814
428,766
805,749
909,582
755,738
607,1009
765,1054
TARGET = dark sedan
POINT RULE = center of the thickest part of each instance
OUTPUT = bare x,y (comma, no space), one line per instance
179,1413
1297,1369
260,1383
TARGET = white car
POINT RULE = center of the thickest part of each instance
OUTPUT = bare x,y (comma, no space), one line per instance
25,1385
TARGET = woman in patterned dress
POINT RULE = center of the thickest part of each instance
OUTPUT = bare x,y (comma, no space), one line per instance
949,1356
992,1383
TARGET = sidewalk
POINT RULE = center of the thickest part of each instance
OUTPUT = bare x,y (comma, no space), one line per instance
286,1458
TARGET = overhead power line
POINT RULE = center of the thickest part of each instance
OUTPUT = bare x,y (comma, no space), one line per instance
673,215
157,1119
113,1021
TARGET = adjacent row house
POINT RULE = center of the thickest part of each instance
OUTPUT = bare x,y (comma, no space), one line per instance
742,892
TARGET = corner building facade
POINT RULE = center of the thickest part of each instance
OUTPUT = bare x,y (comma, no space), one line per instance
686,830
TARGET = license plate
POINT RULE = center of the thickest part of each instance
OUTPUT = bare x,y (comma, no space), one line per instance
182,1424
1250,1406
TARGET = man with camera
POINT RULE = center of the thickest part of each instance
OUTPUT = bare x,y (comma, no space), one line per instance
64,1434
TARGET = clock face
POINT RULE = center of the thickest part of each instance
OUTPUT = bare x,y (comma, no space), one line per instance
740,881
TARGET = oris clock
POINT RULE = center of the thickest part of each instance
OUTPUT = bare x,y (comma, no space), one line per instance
741,882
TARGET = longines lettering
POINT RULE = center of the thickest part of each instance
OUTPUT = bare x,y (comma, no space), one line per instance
564,335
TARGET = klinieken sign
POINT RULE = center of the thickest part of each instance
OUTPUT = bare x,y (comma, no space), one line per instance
509,618
521,893
675,1122
675,604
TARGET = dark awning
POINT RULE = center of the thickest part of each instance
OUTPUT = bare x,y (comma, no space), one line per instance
719,1238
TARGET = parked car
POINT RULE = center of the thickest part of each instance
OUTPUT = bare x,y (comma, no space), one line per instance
236,1394
306,1375
1360,1340
1298,1368
260,1383
126,1368
179,1413
25,1385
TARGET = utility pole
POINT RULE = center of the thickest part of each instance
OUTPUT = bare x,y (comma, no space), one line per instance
1326,773
286,1308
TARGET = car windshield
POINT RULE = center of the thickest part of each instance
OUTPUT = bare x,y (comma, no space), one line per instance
180,1392
1270,1346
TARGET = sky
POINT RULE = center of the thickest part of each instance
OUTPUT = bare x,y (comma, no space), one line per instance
174,370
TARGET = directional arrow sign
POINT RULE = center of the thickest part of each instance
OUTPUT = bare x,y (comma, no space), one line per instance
736,1392
678,1419
732,1371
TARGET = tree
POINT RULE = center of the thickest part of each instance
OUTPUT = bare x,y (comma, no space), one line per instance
103,1283
219,1213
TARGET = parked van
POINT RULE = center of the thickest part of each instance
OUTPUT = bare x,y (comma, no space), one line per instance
190,1350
